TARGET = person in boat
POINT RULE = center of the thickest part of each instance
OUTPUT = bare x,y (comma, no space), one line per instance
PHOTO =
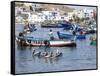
51,35
74,33
22,40
47,43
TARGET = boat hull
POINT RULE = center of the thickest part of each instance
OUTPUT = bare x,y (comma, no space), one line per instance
52,44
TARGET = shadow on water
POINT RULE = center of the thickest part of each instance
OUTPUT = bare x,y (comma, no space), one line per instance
23,48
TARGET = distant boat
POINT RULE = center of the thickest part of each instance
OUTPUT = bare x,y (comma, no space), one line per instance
91,31
63,24
52,26
67,26
29,28
32,27
93,40
70,36
38,42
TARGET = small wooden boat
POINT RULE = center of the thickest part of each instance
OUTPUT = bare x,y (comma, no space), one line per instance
70,36
38,42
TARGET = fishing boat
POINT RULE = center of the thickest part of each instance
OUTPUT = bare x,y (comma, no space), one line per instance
38,42
52,26
69,26
70,36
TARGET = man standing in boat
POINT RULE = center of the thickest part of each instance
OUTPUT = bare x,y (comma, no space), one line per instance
74,35
51,35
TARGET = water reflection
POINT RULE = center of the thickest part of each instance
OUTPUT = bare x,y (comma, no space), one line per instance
22,55
83,56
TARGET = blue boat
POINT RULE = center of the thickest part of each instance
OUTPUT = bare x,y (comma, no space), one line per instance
31,38
67,26
52,26
70,36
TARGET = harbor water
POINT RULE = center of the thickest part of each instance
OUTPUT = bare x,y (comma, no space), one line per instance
83,56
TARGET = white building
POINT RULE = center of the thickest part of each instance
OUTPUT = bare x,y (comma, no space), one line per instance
84,13
79,13
89,13
46,15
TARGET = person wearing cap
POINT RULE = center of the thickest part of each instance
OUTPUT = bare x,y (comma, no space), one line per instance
51,35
